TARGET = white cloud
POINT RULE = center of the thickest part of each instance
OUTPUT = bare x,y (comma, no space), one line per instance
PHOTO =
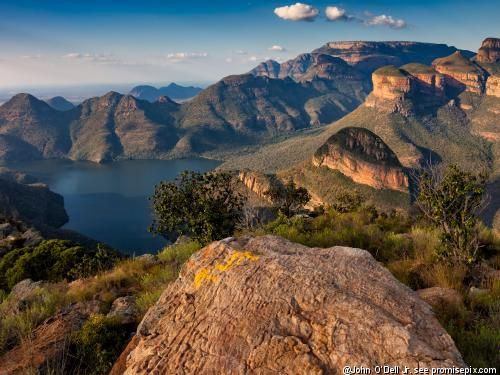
333,13
297,12
384,20
277,48
252,58
94,58
241,52
31,57
229,60
186,56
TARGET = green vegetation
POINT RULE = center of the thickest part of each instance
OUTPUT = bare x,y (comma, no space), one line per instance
390,70
288,198
97,345
53,260
204,207
416,68
451,200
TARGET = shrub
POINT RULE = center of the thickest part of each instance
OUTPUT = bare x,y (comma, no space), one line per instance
204,207
451,200
288,198
98,343
53,260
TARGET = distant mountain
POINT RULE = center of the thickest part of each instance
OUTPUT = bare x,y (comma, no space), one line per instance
31,129
117,126
174,91
60,103
366,57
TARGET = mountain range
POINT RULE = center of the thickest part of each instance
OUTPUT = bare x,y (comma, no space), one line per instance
173,90
241,110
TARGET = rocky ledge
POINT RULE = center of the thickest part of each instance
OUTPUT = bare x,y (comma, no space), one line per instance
363,156
268,306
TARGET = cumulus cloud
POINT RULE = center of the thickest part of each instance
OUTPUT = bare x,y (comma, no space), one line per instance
333,13
186,56
241,52
385,20
297,12
277,48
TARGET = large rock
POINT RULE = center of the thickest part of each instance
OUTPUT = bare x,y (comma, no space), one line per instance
489,51
363,156
268,306
461,73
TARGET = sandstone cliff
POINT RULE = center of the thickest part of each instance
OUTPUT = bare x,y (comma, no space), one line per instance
461,73
489,51
268,306
363,156
257,182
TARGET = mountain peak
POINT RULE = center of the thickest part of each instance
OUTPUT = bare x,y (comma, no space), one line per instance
60,103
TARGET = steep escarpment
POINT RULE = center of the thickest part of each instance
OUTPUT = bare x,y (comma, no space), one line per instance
22,198
462,74
364,157
369,56
268,305
489,52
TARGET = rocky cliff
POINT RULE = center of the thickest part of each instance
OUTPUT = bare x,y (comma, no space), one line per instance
257,182
369,56
22,198
363,156
266,305
489,52
461,73
407,89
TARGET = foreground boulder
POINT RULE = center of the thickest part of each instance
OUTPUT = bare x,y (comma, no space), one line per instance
268,306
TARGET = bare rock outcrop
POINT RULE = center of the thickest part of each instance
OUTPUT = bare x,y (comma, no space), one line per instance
257,182
268,306
363,156
493,86
489,51
461,73
406,89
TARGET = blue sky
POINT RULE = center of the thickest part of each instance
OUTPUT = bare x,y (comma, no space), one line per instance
63,42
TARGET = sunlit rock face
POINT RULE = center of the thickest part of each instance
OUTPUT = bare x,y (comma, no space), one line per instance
364,157
489,51
462,73
269,306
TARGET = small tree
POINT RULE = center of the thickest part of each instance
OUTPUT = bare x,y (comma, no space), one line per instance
347,200
288,198
452,199
205,207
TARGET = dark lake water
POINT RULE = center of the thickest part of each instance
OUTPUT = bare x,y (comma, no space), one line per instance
109,202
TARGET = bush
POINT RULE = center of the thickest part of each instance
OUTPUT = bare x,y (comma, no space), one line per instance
205,207
53,260
97,345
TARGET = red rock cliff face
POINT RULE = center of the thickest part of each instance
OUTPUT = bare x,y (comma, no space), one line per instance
461,73
493,86
489,51
257,182
364,157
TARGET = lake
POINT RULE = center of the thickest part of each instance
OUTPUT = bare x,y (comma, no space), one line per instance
109,202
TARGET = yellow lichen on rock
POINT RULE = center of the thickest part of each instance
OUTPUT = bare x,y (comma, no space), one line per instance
236,259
